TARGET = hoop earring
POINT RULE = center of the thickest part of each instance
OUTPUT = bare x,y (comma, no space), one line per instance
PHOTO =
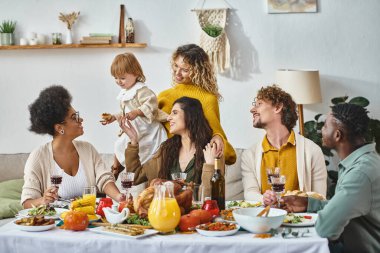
62,132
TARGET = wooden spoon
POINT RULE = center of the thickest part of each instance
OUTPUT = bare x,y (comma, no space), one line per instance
265,210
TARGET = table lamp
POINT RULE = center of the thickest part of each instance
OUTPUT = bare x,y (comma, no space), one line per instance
303,86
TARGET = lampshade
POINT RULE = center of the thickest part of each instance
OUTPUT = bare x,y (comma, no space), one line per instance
302,85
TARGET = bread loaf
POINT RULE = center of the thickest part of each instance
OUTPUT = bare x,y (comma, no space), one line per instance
305,194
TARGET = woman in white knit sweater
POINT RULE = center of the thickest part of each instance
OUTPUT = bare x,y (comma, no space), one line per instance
78,162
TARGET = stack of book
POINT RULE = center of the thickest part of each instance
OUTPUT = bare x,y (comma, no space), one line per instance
97,38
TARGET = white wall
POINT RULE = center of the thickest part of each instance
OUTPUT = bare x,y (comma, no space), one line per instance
341,40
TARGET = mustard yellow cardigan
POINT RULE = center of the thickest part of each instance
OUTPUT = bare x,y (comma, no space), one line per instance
210,107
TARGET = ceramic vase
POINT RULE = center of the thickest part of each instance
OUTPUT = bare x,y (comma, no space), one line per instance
69,37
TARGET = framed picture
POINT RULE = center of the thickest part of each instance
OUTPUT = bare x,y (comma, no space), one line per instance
292,6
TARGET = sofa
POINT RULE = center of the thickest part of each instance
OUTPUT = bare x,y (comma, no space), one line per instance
12,172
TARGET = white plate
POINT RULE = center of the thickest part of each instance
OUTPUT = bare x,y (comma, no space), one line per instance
306,222
100,230
35,228
217,233
24,213
257,203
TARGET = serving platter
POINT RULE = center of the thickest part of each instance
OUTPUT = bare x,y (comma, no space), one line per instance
100,230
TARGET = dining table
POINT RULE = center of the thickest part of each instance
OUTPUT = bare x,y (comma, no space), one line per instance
57,240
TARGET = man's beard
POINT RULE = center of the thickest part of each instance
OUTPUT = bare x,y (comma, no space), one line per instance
258,124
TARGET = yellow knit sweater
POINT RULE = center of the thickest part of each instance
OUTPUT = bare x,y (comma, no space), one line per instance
210,108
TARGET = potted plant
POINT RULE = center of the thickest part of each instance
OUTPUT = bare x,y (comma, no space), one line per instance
7,28
69,19
313,131
212,30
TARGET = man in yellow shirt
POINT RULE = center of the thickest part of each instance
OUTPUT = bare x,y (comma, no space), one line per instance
300,160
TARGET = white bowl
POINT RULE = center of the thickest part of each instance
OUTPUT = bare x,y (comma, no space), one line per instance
247,219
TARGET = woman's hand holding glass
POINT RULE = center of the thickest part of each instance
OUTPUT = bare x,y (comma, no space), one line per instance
269,198
210,152
129,130
50,195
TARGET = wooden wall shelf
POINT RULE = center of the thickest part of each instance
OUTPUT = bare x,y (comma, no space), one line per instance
114,45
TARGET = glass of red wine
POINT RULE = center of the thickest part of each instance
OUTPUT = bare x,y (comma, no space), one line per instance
127,181
278,186
56,180
272,172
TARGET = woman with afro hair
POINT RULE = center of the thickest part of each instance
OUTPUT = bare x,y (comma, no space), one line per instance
78,162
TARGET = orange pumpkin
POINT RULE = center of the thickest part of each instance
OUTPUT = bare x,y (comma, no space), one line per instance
75,220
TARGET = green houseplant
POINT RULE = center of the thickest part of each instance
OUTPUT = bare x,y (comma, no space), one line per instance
212,30
313,131
7,28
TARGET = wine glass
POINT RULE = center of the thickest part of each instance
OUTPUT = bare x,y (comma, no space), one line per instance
127,179
278,186
272,172
180,177
56,181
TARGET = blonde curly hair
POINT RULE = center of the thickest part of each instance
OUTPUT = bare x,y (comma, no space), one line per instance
201,70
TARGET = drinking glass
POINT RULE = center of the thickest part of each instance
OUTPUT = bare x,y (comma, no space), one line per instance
180,176
127,179
211,206
198,195
90,194
278,186
272,172
56,180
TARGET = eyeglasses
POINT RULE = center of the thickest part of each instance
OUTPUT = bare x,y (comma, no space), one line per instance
257,103
75,117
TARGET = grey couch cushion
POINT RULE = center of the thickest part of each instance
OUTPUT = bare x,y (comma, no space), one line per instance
12,166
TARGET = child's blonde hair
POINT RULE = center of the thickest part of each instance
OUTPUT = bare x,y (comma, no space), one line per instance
127,64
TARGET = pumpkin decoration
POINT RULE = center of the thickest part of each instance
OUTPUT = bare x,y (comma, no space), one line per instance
75,220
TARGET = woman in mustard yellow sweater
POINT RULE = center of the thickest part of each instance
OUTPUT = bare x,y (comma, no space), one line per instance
193,76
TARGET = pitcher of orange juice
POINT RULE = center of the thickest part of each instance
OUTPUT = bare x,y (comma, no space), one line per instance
164,213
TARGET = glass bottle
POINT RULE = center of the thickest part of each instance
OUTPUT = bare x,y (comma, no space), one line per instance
130,31
164,213
218,186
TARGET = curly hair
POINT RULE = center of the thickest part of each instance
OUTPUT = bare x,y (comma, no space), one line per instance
200,135
353,119
127,63
277,96
50,108
201,70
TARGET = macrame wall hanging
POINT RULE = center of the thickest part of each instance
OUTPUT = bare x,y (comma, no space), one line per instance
214,39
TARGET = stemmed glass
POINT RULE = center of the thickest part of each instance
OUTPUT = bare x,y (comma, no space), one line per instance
127,179
180,177
272,172
278,186
56,180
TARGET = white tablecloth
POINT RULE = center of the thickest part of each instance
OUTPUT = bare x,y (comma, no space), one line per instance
59,240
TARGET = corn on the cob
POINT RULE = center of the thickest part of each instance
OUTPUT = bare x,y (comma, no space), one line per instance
86,209
80,203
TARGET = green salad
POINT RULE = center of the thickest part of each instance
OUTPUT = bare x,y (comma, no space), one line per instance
242,203
42,210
